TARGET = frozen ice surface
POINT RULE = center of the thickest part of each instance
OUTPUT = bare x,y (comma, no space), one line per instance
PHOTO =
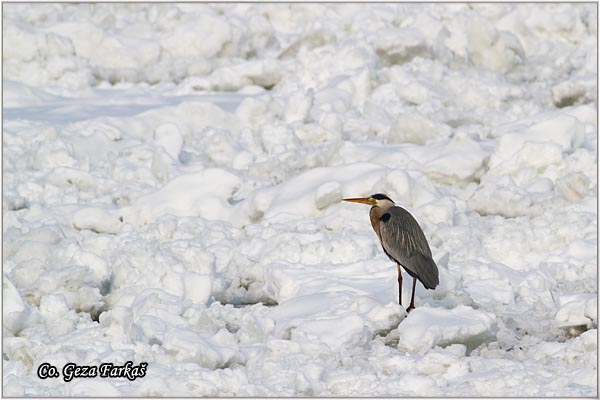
430,327
172,177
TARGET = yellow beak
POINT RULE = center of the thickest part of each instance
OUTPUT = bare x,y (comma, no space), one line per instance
364,200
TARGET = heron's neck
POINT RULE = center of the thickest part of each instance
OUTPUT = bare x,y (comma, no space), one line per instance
375,215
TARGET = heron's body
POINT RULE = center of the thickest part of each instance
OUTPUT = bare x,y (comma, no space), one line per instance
403,241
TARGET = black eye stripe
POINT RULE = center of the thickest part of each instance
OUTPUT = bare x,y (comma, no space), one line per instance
380,196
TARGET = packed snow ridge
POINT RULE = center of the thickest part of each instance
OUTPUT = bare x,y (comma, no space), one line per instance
172,185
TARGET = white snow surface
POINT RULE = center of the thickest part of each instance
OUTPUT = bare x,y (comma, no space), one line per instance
172,185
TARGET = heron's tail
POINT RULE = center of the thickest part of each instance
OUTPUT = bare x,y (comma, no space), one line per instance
428,275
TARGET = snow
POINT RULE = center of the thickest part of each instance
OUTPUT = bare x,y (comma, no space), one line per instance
172,185
578,309
202,193
462,325
16,311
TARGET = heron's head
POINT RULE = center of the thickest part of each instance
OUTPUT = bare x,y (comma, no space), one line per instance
376,200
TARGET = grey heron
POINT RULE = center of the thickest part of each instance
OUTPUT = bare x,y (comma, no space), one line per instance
403,241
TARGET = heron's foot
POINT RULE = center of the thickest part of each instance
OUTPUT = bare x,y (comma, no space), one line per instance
409,309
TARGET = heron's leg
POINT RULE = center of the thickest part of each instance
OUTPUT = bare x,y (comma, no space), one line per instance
399,285
412,298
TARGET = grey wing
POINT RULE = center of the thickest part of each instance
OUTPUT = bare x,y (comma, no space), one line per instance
403,240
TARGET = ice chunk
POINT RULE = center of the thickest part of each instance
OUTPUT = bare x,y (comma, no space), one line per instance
53,306
296,195
197,287
328,194
117,323
338,319
490,48
35,244
573,91
447,161
573,186
415,128
154,312
577,309
208,351
582,250
15,311
203,194
99,220
92,387
182,39
348,331
501,197
554,134
311,40
428,327
490,291
170,139
399,45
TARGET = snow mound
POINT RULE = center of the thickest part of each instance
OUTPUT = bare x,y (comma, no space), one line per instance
577,310
15,310
205,194
428,327
536,142
447,161
98,220
337,319
307,193
210,351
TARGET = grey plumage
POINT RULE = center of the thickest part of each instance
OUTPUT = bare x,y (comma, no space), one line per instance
404,242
